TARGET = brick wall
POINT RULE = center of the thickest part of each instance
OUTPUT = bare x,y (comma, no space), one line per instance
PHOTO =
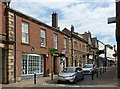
34,41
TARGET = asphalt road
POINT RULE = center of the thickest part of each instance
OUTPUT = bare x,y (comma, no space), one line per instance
108,78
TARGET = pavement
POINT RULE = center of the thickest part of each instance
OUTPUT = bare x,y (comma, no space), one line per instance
108,78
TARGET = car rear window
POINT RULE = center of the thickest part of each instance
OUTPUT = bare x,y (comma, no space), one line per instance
68,70
87,66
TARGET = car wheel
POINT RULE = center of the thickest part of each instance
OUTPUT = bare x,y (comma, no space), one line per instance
75,80
82,77
58,81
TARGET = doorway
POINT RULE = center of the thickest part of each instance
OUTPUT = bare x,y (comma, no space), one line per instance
3,67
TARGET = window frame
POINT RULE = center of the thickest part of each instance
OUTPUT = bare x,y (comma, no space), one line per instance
55,41
41,63
65,43
25,34
75,45
44,44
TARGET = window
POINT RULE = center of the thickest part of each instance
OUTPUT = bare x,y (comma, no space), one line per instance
55,41
43,39
65,43
80,47
25,32
32,63
83,48
75,45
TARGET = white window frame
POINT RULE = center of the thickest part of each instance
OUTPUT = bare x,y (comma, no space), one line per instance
41,64
65,43
25,35
55,41
75,45
43,38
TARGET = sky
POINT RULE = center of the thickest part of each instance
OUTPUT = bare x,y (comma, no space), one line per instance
85,15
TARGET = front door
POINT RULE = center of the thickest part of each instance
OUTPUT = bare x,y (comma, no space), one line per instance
55,65
3,67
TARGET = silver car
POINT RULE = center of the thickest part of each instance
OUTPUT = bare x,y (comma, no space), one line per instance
89,69
71,74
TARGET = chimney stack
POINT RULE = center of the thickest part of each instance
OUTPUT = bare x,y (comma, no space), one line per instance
72,28
55,20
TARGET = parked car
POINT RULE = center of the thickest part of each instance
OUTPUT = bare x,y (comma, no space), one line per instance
71,74
89,69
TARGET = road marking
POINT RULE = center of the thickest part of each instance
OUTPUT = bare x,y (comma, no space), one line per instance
63,85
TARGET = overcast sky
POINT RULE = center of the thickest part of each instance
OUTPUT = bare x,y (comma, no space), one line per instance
85,15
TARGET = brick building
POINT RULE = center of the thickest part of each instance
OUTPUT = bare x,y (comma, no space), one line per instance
78,49
30,46
29,43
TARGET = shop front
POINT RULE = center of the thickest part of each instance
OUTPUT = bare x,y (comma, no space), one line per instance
31,64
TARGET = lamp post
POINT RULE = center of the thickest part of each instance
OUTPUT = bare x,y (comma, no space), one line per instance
72,30
117,20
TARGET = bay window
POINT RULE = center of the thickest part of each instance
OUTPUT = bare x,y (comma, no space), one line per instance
32,63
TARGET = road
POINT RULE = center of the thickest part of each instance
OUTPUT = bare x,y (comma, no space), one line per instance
108,80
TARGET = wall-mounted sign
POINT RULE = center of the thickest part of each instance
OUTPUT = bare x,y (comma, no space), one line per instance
53,51
63,51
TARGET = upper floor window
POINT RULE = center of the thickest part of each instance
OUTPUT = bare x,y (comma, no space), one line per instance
25,37
65,43
83,48
55,41
43,38
80,47
75,45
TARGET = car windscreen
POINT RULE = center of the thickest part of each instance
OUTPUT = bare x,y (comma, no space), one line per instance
68,70
87,66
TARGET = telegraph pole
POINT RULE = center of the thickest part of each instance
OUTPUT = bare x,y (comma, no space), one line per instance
112,20
118,35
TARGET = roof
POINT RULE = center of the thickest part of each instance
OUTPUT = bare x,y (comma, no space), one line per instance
34,20
86,35
74,34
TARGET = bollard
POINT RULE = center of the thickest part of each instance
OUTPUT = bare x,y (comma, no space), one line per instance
34,78
103,69
97,73
100,71
92,75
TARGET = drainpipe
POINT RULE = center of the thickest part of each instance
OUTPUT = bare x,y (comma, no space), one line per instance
72,30
7,41
14,47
